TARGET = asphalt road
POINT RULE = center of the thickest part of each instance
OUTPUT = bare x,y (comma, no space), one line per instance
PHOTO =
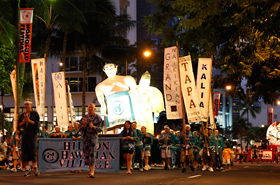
245,173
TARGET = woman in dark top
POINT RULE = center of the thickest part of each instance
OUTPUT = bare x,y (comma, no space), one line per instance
28,124
128,137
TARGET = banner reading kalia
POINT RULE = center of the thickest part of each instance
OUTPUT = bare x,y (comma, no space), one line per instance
25,34
67,154
171,82
188,89
60,99
38,74
13,82
203,85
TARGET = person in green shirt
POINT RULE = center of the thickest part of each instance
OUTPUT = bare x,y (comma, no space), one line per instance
188,139
128,139
147,142
138,147
75,134
45,129
221,147
166,139
212,146
68,131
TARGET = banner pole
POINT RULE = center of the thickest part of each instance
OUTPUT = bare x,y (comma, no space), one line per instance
45,56
181,95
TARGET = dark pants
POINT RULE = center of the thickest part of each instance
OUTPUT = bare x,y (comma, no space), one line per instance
138,156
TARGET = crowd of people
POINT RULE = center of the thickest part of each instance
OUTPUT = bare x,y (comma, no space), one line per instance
198,150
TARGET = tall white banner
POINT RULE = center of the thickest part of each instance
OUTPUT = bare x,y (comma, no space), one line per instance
203,85
189,89
39,74
171,84
60,99
71,106
13,82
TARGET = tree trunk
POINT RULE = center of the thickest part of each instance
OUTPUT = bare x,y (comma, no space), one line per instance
2,110
85,61
21,76
64,50
48,41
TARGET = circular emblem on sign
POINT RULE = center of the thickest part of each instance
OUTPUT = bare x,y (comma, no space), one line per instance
118,107
50,155
57,76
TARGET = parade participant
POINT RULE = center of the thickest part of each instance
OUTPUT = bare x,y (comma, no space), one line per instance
147,142
57,133
68,131
45,129
188,139
221,145
166,139
227,156
239,153
28,125
75,134
90,125
259,154
196,149
173,150
138,147
178,147
212,145
128,138
15,149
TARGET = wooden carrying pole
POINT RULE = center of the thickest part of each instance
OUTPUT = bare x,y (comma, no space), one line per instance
181,95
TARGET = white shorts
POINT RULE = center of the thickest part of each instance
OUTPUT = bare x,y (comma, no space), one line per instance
165,153
147,153
228,161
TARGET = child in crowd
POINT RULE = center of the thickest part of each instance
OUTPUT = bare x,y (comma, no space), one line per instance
227,156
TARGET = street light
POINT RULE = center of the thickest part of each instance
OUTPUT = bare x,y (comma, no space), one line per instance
278,102
228,87
147,53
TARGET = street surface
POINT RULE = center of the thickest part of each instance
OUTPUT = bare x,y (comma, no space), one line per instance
245,173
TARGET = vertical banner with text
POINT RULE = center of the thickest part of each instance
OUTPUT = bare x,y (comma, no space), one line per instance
189,89
270,115
217,96
39,75
71,106
60,99
203,85
171,84
25,34
13,82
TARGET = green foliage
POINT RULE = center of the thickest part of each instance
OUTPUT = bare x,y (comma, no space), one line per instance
7,62
242,35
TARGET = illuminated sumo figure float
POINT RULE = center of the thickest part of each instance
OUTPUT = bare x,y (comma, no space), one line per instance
121,99
273,133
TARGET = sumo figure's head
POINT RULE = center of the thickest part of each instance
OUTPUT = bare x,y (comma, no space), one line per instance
110,69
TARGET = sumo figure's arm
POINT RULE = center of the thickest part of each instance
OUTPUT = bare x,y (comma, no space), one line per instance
101,98
130,82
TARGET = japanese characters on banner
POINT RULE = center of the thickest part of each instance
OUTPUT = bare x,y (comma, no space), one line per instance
71,106
189,89
13,82
60,99
38,75
25,34
203,85
171,84
270,115
217,96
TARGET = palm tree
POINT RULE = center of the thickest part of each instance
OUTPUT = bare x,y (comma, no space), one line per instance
240,129
103,29
7,29
247,104
57,16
